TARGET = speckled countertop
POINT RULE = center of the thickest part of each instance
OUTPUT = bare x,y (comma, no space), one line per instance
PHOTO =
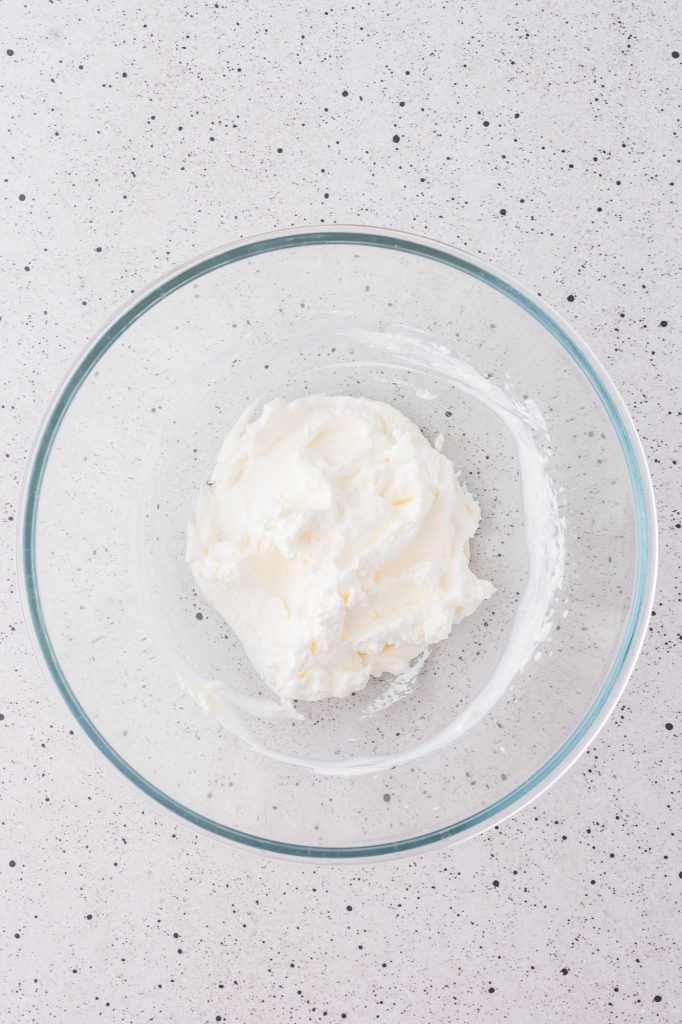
545,138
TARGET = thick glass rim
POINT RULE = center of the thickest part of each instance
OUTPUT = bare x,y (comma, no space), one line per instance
633,454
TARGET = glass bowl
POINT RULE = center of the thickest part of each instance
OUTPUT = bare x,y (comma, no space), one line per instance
133,432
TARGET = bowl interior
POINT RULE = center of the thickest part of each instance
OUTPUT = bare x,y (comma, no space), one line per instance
137,430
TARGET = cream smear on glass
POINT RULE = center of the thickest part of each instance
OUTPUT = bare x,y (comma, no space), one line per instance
544,530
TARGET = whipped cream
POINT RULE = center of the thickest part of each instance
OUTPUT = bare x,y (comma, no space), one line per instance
334,539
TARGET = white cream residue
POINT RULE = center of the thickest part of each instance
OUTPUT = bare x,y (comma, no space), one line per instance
334,539
222,703
544,530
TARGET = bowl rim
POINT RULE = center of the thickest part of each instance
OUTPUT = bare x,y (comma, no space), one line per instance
642,492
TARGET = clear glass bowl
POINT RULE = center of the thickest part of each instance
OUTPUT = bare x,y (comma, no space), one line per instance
133,432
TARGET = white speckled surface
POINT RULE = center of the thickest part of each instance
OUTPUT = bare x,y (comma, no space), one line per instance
135,137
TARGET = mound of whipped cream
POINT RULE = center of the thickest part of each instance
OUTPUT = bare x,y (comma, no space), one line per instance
334,539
